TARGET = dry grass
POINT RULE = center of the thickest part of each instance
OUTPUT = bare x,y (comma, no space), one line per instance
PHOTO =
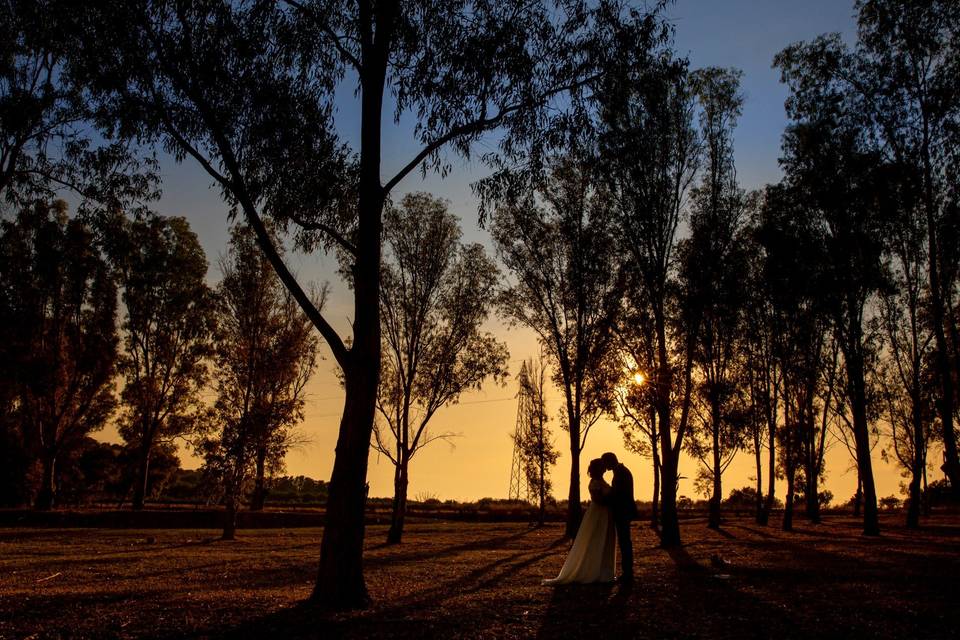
482,580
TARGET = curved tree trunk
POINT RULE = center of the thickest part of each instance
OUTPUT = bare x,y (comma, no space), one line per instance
861,432
340,583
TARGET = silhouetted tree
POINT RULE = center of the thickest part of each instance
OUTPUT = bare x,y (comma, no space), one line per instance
713,268
265,354
59,302
167,335
46,145
761,368
828,158
247,90
897,88
534,439
650,151
559,246
435,294
905,77
792,271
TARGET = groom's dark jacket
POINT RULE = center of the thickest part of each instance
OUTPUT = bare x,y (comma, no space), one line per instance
622,502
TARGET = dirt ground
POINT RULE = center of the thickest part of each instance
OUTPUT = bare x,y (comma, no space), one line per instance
483,580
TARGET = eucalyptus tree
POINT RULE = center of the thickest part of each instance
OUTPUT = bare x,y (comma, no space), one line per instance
265,353
909,350
829,158
763,373
792,270
713,269
906,75
899,84
568,283
650,151
247,90
435,295
46,143
60,300
167,336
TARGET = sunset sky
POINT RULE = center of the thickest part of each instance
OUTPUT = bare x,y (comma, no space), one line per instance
735,33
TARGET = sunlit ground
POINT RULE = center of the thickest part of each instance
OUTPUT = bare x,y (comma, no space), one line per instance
482,580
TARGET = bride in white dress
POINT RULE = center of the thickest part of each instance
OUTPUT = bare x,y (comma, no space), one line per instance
592,557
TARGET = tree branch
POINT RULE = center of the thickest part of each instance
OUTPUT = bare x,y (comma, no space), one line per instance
476,126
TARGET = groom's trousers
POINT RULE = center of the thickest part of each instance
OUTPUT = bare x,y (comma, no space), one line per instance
626,547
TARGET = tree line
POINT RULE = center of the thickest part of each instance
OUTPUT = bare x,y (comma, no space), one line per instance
706,318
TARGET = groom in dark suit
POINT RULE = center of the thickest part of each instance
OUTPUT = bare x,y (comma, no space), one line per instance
624,511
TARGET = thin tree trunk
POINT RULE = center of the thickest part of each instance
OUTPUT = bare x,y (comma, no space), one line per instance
259,484
140,484
230,513
655,502
759,515
713,520
46,498
788,503
574,510
858,496
913,507
400,482
772,461
543,483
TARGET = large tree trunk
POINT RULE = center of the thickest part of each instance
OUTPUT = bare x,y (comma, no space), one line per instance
140,482
670,520
713,521
861,433
340,583
259,496
400,482
46,498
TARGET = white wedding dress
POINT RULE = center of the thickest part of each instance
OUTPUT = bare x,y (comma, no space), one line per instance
592,557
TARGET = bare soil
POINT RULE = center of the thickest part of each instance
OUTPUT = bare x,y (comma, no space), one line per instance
483,580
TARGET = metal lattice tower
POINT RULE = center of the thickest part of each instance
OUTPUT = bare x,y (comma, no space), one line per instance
518,477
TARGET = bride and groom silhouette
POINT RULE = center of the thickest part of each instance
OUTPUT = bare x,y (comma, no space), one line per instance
592,557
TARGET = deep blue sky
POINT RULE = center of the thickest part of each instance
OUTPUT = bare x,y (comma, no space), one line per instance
730,33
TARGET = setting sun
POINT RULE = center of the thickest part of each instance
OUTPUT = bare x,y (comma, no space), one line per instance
638,378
